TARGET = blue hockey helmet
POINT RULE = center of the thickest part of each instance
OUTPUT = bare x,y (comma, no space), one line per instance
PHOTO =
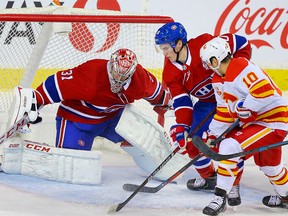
170,33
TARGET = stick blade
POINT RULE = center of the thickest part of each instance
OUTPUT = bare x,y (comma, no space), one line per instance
134,187
130,187
112,209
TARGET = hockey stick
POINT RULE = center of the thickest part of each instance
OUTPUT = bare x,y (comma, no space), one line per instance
116,208
218,157
133,187
14,128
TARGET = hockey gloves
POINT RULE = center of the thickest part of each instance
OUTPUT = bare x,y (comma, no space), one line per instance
209,138
179,134
245,115
25,103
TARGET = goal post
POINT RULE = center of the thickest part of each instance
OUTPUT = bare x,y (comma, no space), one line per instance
37,42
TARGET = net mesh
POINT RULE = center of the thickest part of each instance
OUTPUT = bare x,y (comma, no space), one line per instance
31,46
31,51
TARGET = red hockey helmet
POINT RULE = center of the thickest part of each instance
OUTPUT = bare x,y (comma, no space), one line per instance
123,65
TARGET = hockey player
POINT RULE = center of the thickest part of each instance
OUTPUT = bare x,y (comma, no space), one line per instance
92,97
186,78
245,91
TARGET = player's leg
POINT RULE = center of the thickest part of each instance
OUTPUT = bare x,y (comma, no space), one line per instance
270,162
204,166
233,197
72,135
226,174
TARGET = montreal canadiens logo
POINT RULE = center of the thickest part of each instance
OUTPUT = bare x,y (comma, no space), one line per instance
81,143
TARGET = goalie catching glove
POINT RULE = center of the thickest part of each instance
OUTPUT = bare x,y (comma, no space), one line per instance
245,115
25,104
179,134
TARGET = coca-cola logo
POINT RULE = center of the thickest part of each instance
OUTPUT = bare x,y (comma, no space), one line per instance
262,21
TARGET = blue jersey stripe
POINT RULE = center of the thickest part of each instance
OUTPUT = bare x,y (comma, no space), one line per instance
53,91
183,101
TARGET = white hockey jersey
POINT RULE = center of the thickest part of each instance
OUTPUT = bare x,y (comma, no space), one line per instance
244,79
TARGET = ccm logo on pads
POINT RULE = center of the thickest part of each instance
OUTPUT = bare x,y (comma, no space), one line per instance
37,147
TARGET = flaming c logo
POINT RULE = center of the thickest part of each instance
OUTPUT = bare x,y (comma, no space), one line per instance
81,34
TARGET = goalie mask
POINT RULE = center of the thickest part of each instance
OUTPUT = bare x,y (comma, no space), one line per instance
123,65
216,48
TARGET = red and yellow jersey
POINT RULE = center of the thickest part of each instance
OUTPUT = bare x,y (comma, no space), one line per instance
85,96
192,79
244,79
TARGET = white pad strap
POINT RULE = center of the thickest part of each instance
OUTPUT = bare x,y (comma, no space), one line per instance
151,143
43,161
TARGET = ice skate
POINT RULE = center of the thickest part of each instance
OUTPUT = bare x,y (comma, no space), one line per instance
218,203
202,184
233,197
275,201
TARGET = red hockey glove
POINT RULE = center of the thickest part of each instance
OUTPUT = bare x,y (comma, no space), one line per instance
245,115
179,133
208,138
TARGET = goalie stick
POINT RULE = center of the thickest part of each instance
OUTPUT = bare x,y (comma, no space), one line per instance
146,189
218,157
116,208
14,128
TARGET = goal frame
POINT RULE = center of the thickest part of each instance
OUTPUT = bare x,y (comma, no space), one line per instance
85,18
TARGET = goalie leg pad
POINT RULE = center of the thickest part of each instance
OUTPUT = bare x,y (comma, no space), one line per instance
151,143
43,161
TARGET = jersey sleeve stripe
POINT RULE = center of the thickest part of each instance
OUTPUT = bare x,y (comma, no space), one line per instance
156,92
262,89
183,101
53,93
241,42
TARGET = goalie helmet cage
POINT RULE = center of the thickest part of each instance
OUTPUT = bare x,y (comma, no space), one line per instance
37,42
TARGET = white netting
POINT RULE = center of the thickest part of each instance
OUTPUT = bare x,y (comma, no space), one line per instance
31,51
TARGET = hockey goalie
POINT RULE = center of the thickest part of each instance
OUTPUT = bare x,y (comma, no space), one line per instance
94,101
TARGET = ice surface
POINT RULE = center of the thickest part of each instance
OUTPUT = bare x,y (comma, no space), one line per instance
29,196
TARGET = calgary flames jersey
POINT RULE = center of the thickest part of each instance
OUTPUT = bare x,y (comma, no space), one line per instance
245,80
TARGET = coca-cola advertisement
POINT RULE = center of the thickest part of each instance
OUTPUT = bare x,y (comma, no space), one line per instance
263,23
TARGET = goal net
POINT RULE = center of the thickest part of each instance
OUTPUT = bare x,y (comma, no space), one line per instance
37,42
